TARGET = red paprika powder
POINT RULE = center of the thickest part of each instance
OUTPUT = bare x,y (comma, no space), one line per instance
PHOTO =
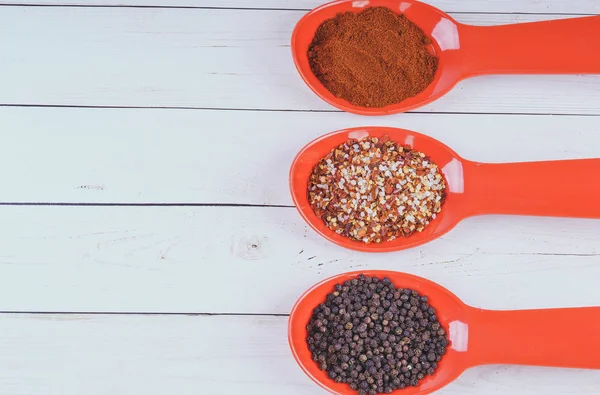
373,58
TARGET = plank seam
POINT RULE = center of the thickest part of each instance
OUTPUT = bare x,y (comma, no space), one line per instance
84,204
64,5
94,313
190,108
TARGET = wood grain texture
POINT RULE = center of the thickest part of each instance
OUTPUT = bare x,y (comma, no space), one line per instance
185,156
507,6
155,355
153,57
167,259
172,259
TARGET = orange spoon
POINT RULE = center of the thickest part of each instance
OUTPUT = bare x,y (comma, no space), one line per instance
568,338
564,188
566,46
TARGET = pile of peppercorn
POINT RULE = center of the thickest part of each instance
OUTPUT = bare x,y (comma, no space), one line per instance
375,337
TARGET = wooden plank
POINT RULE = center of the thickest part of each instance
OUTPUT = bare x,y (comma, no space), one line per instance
154,355
193,58
99,355
508,6
172,259
243,157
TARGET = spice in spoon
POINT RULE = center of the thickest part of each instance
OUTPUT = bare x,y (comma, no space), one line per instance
375,337
376,190
373,58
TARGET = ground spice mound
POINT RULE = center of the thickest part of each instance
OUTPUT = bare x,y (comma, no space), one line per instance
375,337
376,190
373,58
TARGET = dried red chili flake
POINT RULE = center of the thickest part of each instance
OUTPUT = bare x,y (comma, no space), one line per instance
376,190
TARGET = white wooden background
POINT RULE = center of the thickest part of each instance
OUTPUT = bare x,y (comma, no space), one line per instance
144,159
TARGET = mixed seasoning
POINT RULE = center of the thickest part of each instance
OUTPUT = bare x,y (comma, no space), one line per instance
373,58
376,337
376,190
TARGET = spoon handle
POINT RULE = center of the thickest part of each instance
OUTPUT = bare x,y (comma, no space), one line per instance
563,188
567,338
564,46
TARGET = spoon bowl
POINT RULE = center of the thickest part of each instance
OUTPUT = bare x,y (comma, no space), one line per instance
550,188
552,337
437,25
448,161
449,309
548,47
